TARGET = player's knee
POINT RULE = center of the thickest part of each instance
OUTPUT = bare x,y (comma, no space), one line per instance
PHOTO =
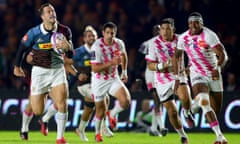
204,102
62,106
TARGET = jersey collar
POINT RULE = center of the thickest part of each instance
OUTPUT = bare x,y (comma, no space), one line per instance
46,32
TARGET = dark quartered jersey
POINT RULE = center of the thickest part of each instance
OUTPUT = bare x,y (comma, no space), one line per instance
39,40
81,58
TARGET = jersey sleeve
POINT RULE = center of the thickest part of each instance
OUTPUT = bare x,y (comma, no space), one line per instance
77,55
122,46
27,39
212,39
95,54
151,56
180,43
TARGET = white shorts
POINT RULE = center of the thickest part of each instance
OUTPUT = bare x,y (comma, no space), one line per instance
214,85
165,91
101,88
43,79
149,78
85,90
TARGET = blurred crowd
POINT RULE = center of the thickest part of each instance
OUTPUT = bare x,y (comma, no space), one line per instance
134,18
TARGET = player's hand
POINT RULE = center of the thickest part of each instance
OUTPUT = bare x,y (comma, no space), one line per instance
29,58
215,74
167,66
124,77
18,72
82,77
116,60
63,44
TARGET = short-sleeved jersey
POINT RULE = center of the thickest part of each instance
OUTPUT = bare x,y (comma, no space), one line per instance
82,58
149,75
102,53
38,39
161,51
199,49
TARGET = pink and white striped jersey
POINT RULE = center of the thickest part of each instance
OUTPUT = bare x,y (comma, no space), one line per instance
161,51
101,53
199,49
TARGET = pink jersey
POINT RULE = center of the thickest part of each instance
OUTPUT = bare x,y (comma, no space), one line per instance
161,51
102,53
199,49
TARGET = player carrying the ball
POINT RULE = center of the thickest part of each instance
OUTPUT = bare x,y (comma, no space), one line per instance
48,73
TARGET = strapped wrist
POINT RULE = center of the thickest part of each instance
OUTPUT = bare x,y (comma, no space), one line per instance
159,66
124,72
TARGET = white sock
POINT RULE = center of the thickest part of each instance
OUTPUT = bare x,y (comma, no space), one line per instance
159,119
216,129
154,121
61,119
181,132
104,123
117,109
52,110
26,119
82,125
98,124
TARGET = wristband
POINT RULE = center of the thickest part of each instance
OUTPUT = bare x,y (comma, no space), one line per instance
159,66
176,77
124,72
183,79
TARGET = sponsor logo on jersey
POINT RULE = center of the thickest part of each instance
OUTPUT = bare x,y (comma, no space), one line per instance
45,46
87,63
202,44
25,37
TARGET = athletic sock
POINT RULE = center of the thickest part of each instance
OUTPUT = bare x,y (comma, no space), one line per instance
52,110
154,121
98,124
117,109
82,125
61,119
26,119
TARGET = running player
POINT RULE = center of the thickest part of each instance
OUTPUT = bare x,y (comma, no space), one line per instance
48,69
206,56
161,59
107,53
149,78
82,59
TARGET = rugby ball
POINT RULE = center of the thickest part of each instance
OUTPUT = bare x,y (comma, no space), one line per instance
56,38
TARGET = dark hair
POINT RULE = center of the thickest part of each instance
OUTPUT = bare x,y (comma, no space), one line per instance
155,29
168,21
110,25
40,10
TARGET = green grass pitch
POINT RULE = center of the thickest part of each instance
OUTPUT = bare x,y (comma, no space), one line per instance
35,137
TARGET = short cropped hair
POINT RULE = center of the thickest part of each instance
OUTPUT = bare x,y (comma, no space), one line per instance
155,29
40,10
168,21
110,25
